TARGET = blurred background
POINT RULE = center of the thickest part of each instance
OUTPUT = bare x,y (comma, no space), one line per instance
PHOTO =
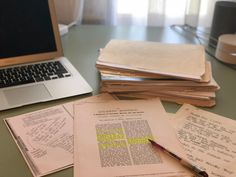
136,12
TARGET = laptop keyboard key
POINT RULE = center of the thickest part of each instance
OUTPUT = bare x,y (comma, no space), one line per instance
38,79
46,78
60,75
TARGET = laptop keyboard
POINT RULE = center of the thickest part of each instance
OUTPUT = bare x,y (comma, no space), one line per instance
32,73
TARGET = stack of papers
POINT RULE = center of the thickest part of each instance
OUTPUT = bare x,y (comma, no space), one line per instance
45,137
173,72
111,137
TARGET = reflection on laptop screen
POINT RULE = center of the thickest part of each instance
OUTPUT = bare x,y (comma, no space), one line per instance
25,28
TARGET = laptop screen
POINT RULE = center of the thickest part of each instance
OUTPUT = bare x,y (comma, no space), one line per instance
27,27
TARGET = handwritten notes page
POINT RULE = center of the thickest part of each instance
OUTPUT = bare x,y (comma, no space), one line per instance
45,137
209,140
112,140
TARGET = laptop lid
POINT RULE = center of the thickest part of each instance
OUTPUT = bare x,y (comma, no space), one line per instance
27,34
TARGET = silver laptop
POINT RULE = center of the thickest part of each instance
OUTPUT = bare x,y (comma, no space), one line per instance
32,66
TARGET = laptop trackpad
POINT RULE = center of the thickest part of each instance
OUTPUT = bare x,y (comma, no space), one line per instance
28,94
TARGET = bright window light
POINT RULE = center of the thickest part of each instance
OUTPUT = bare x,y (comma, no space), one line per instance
175,9
137,8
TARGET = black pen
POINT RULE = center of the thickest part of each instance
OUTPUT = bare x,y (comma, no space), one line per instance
183,162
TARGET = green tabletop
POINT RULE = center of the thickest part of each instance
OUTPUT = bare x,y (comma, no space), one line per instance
81,47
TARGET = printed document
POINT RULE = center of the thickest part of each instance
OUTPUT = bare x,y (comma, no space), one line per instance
112,140
209,140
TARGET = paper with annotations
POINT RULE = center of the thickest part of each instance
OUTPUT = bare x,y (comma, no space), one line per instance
112,140
45,137
209,140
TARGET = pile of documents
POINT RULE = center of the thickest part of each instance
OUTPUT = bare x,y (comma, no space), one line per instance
111,137
45,137
172,72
